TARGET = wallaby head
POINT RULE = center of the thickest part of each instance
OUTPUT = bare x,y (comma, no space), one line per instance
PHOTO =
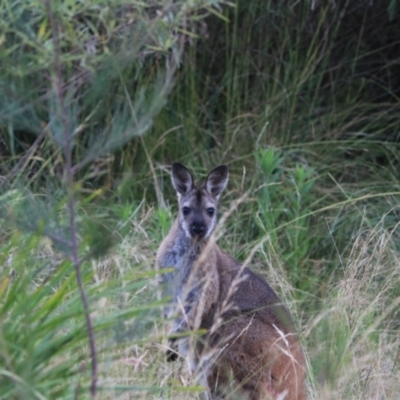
198,204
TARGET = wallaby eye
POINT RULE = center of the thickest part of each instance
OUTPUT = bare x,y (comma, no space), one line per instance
186,210
210,211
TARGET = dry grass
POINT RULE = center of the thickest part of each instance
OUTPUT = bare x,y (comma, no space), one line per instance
357,339
352,342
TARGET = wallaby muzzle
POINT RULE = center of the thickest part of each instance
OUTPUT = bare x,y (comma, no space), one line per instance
198,229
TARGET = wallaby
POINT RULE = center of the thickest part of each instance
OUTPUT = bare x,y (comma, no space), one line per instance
246,343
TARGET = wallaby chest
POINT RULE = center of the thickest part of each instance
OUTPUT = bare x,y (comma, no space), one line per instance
181,254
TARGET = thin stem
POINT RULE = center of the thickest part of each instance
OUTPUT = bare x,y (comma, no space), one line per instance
69,178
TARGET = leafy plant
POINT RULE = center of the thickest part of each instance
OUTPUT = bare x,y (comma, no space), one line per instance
284,201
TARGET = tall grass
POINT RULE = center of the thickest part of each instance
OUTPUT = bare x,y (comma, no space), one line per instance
299,99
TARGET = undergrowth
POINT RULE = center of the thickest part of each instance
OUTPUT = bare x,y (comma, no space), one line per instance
98,98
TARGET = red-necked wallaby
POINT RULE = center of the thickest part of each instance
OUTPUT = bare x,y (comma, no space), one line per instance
246,344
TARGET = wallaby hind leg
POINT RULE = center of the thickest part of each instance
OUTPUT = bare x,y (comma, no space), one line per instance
264,363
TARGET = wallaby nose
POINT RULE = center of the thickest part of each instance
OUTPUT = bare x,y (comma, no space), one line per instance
198,228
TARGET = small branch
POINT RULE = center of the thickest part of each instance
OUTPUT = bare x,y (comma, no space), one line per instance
171,65
58,239
69,177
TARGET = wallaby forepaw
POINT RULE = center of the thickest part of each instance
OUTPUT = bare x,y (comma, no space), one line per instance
172,355
172,352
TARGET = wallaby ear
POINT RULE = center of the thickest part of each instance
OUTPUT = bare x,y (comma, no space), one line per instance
217,180
182,179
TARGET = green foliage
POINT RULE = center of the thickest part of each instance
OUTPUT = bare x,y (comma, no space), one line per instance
79,80
117,61
162,222
284,201
43,335
41,322
299,99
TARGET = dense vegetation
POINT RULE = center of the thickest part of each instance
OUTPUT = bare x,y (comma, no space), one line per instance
97,98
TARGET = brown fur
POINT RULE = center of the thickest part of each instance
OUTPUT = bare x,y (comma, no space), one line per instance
251,341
